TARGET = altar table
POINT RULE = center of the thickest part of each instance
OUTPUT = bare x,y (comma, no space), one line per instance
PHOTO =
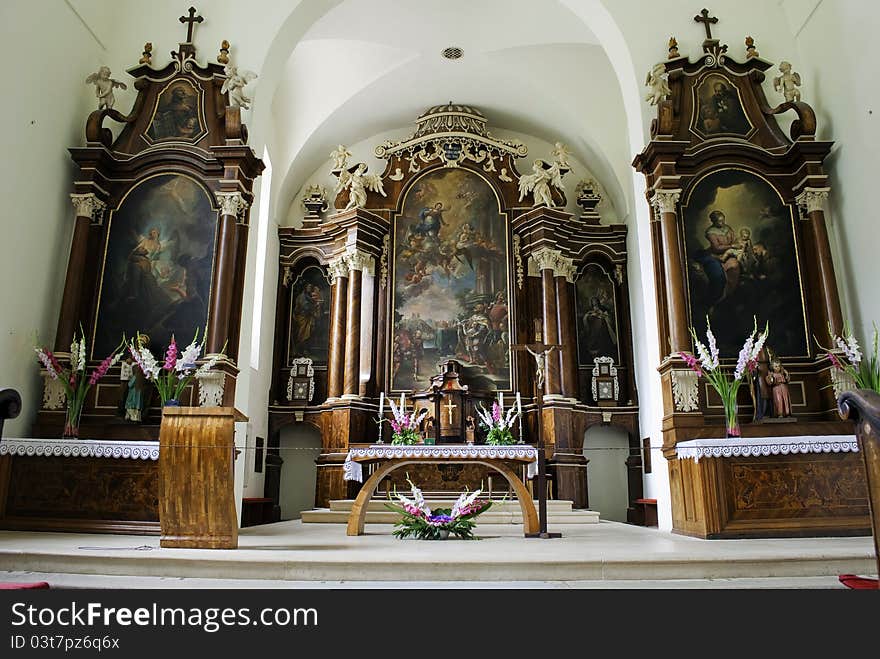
390,457
765,487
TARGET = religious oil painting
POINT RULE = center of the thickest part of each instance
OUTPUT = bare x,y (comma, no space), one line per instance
310,316
719,109
596,316
158,263
451,294
177,114
743,262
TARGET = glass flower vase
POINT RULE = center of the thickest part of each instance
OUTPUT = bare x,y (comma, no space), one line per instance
731,422
71,421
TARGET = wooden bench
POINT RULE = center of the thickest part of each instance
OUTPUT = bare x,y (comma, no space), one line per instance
647,511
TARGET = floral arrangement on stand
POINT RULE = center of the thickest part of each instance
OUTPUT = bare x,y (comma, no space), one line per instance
171,376
708,365
76,384
864,373
404,426
499,423
418,521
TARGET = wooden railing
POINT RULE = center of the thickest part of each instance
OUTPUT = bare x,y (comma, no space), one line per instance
863,408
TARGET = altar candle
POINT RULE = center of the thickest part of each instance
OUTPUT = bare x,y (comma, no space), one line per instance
402,403
381,403
518,404
501,399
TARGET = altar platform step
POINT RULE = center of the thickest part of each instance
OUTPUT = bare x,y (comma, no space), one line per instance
608,554
501,512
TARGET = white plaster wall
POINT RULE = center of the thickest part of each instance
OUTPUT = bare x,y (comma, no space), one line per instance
835,41
43,113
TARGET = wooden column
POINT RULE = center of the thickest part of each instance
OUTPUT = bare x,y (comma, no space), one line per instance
232,205
338,300
358,262
812,201
664,202
88,208
546,261
565,322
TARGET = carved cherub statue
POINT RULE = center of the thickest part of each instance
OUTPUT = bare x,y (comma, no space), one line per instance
787,83
657,81
104,86
235,83
358,182
340,156
539,181
561,153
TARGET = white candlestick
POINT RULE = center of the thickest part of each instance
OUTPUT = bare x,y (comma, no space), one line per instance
501,399
402,403
519,415
518,404
381,404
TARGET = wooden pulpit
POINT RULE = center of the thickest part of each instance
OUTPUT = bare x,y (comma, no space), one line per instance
196,475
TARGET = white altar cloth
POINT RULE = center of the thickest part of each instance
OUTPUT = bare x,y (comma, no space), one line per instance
80,448
352,470
760,446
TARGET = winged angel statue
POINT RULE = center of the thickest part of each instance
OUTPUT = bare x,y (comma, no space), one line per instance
235,83
358,182
104,86
539,181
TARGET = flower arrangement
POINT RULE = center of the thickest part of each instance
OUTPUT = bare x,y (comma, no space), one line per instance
865,373
76,384
404,426
417,519
708,366
499,423
173,374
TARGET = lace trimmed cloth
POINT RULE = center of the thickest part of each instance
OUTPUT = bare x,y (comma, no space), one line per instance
762,446
352,470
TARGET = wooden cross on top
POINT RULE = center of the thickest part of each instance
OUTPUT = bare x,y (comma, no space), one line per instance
192,19
707,22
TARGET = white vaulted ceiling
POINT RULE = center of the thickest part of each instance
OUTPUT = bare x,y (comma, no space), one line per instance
370,67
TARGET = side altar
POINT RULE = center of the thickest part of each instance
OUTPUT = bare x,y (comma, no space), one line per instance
739,237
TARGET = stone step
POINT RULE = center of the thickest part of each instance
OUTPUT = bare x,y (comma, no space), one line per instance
327,516
509,505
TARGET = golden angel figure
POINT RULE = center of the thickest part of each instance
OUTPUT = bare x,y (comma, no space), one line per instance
358,182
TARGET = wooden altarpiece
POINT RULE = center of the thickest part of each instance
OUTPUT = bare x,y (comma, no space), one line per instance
361,264
739,231
159,244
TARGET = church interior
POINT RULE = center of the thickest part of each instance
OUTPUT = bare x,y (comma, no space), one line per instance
606,263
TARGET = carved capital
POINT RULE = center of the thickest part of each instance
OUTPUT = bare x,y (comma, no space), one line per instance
685,391
233,203
664,201
360,260
545,258
812,199
212,385
88,205
338,268
565,267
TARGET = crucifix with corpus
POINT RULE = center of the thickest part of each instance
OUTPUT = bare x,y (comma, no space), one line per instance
540,350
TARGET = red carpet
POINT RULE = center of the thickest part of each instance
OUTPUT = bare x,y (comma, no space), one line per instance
859,583
23,586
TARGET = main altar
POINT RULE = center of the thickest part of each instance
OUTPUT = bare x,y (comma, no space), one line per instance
418,279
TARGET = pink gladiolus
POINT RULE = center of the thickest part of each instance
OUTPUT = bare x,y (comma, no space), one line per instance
496,412
101,371
835,361
692,362
171,355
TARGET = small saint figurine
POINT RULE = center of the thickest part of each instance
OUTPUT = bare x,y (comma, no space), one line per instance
469,429
235,83
104,86
787,83
657,81
137,392
778,379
